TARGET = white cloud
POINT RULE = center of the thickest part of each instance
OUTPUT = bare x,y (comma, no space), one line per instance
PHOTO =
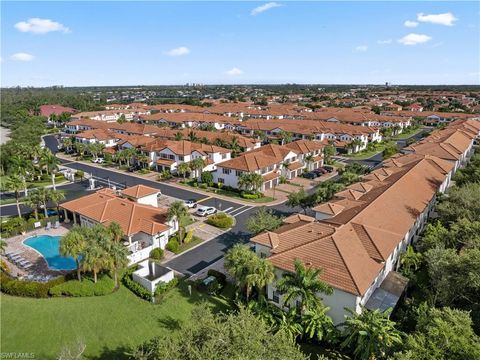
234,72
446,19
22,57
384,42
262,8
414,39
40,26
410,24
361,48
180,51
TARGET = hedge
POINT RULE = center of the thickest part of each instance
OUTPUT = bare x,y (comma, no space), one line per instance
251,196
188,237
135,287
35,289
220,220
163,288
104,286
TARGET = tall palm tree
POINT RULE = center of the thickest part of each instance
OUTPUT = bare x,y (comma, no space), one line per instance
115,231
40,196
239,261
56,196
15,183
51,164
118,259
250,181
234,146
303,284
178,136
177,210
192,136
73,244
370,334
286,137
260,275
183,169
96,149
197,166
34,201
94,259
410,260
309,160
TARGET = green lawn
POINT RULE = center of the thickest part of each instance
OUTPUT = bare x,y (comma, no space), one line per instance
365,154
184,247
106,324
407,134
232,194
186,220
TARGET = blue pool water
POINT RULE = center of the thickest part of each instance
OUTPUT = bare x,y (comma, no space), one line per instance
49,247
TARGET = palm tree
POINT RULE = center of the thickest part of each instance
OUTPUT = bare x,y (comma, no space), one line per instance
56,196
67,143
80,147
239,261
177,210
73,244
34,201
309,160
260,275
115,231
234,146
197,166
411,261
15,183
95,149
118,259
192,136
183,169
370,334
316,323
178,136
51,162
40,196
94,259
250,181
303,284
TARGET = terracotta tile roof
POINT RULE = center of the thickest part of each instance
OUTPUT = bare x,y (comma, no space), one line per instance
139,191
329,208
166,162
47,110
305,146
105,207
295,165
271,176
183,147
298,217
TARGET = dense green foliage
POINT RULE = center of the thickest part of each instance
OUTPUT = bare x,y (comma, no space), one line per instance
238,335
11,286
156,254
263,220
135,287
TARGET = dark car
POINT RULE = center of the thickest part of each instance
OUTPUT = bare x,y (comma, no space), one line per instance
310,175
320,171
133,168
328,168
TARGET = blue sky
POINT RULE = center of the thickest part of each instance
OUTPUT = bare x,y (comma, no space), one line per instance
150,43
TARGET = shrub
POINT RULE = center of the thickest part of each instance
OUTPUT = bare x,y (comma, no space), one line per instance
206,177
156,254
173,245
283,180
203,185
221,277
188,237
220,220
163,288
143,171
11,286
105,285
135,287
251,196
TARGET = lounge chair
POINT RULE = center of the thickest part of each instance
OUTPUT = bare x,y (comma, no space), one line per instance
14,257
49,226
28,266
12,253
57,224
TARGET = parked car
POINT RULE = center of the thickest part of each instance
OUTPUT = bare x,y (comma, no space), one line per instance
133,168
328,168
320,171
191,203
310,175
205,211
99,161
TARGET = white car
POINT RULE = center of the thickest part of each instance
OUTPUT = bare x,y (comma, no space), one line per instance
99,161
205,210
190,203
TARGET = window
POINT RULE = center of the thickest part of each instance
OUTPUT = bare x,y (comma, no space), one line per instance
276,297
180,157
263,255
224,156
226,171
238,173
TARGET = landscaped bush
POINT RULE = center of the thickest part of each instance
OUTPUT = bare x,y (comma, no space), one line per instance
250,196
11,286
135,287
105,285
173,245
163,288
220,220
188,237
221,277
156,254
144,171
203,185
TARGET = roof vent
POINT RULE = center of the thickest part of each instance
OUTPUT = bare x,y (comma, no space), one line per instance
308,263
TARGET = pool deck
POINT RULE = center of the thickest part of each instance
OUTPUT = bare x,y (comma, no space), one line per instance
40,266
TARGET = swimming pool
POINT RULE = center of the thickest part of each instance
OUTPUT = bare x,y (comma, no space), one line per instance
49,247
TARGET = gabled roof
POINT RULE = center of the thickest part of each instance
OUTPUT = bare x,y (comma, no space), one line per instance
139,191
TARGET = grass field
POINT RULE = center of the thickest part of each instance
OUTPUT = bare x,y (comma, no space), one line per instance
108,325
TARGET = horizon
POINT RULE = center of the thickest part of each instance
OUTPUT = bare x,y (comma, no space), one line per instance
47,44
